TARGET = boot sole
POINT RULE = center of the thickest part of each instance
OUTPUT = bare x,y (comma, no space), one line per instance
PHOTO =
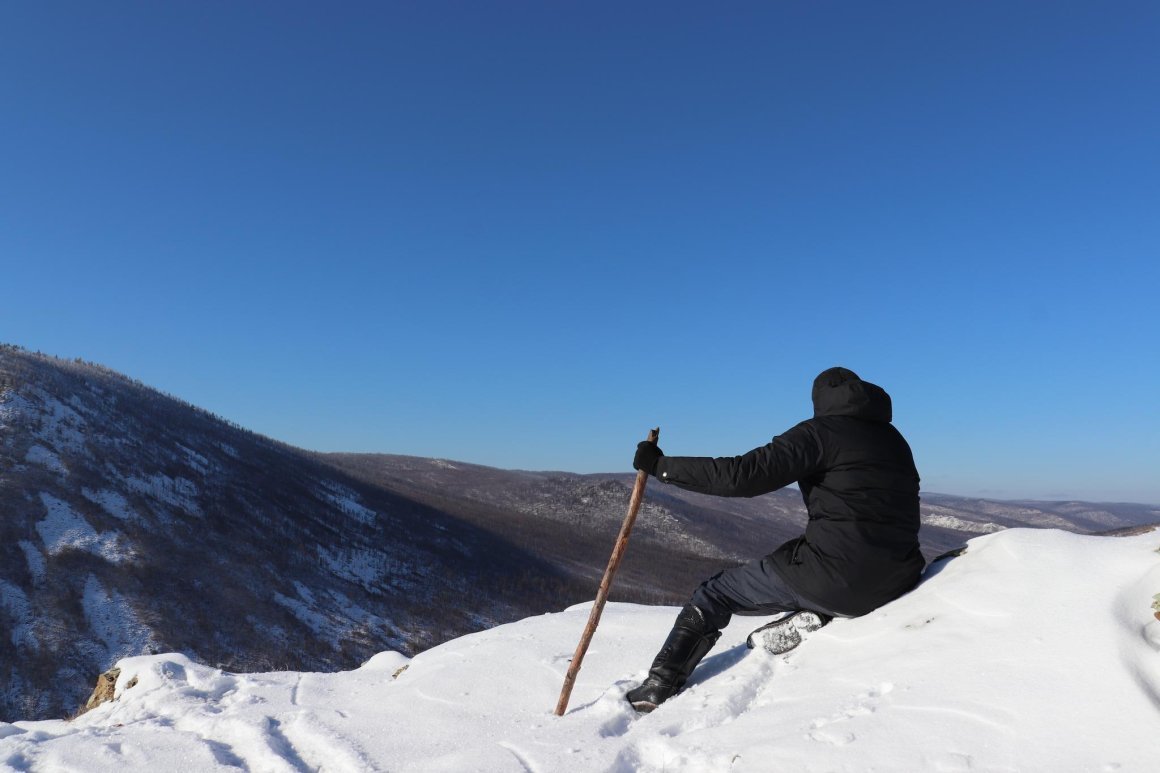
781,636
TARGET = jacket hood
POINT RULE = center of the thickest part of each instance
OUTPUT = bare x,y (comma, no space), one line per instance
839,392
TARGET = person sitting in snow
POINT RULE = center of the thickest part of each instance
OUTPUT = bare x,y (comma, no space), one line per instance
860,548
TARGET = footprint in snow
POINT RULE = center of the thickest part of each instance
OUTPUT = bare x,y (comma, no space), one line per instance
863,705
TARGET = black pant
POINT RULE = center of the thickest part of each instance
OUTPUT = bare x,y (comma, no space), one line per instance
752,589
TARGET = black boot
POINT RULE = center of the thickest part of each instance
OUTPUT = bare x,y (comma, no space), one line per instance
688,642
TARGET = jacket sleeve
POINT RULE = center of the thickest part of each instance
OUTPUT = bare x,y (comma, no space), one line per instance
791,456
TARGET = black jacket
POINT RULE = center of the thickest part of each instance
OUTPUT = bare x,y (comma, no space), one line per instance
860,486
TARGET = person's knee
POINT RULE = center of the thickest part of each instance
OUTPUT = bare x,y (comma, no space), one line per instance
712,606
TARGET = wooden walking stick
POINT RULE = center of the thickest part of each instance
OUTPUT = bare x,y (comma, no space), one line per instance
605,584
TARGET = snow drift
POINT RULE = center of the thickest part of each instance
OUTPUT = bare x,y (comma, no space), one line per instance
1036,650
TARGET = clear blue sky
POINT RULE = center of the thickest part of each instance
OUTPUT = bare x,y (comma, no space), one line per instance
521,234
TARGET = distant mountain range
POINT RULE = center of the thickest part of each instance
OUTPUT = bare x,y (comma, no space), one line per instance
132,522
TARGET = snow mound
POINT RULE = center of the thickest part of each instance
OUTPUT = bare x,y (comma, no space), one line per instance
1036,650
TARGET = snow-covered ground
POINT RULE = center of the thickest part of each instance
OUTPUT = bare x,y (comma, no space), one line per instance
1034,651
64,529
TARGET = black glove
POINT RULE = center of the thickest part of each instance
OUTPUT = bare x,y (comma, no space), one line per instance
648,454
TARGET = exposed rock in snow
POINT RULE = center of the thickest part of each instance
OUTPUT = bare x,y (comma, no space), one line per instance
105,690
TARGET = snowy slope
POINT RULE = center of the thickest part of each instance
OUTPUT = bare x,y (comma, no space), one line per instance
1037,650
132,523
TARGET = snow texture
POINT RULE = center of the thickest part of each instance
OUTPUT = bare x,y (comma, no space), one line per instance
959,524
39,455
113,621
11,406
365,567
1036,650
112,503
304,608
178,492
346,501
21,619
63,529
196,461
60,425
35,560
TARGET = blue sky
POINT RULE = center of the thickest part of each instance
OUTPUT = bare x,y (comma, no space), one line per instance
521,234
